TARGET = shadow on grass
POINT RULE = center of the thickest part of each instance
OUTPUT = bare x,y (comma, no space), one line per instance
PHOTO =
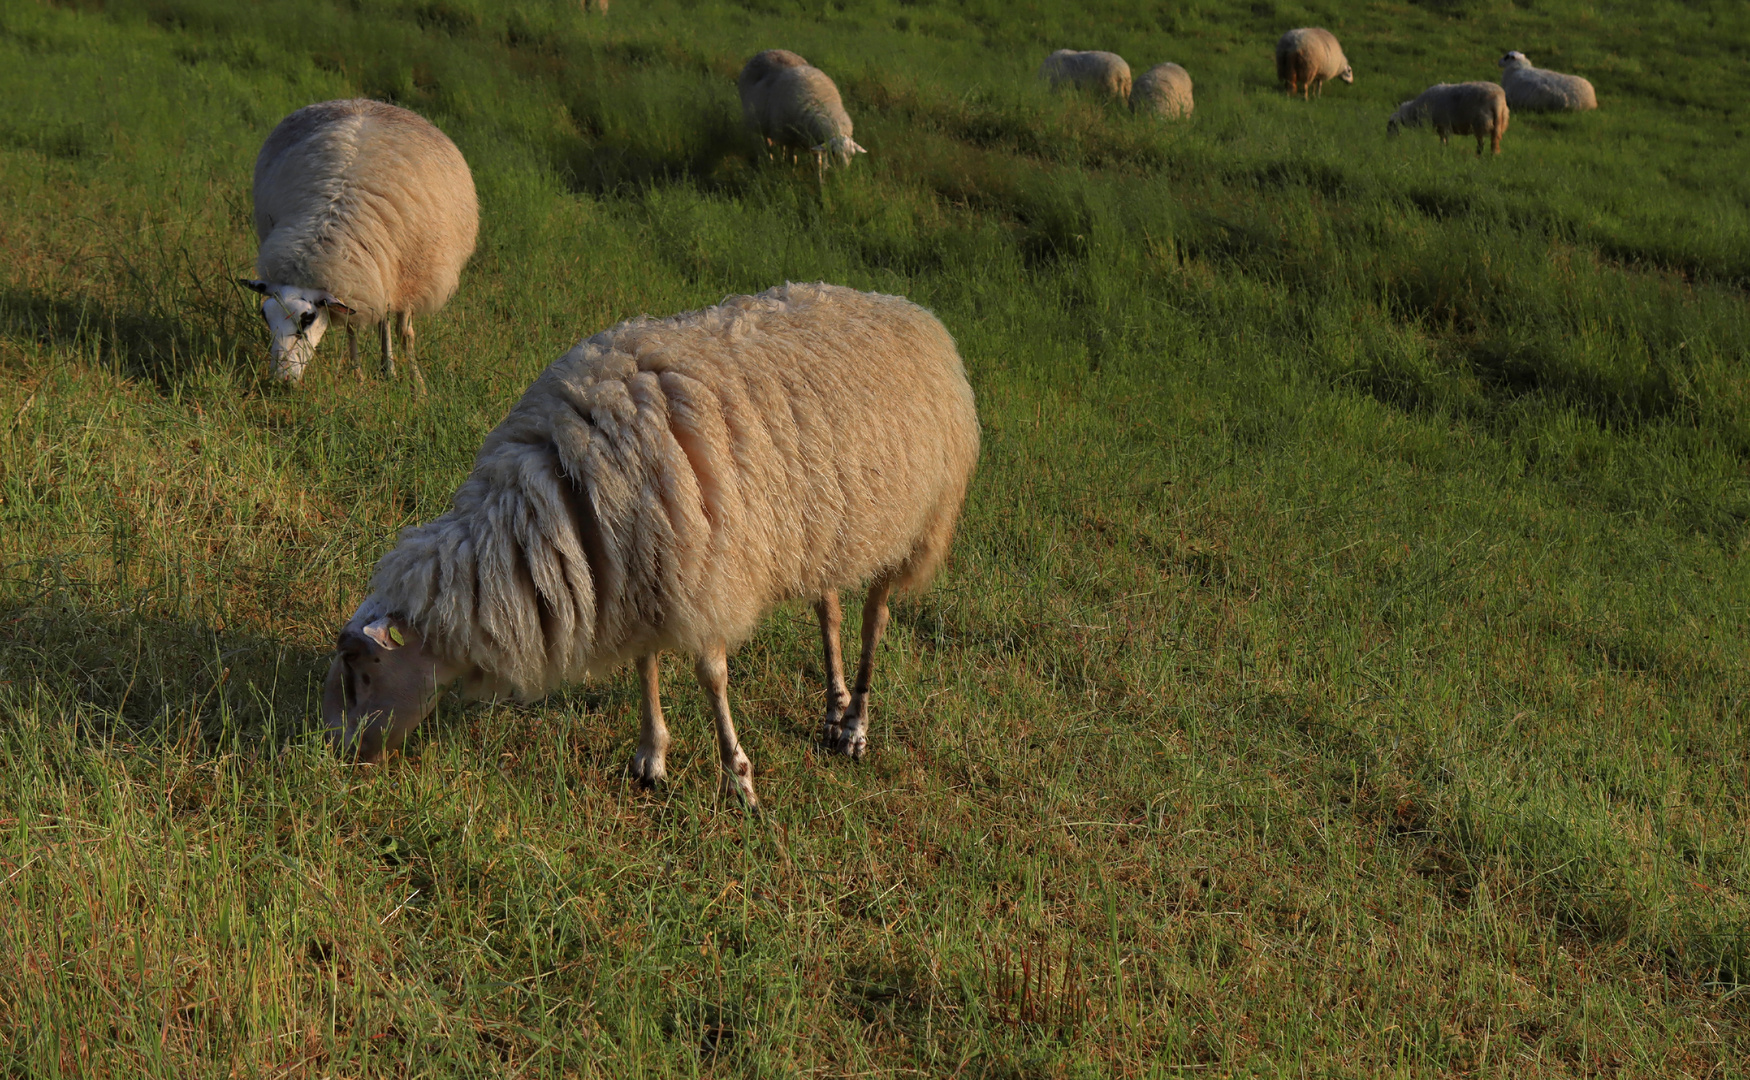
152,346
133,676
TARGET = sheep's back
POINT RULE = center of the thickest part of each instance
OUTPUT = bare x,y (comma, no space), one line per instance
765,64
1539,90
1465,108
368,201
1092,69
1164,89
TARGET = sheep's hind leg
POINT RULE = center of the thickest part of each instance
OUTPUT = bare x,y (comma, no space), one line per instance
386,341
838,696
712,667
650,762
853,730
405,325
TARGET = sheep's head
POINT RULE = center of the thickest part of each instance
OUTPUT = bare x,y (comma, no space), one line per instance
839,150
383,681
1405,116
297,318
1347,74
1514,60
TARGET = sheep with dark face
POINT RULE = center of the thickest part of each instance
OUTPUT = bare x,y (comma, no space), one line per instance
1472,108
1309,57
365,212
1535,89
660,487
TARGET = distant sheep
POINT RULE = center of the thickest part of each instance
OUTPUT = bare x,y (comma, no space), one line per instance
1534,89
793,105
363,211
600,7
1472,108
1102,72
660,487
1164,89
1309,57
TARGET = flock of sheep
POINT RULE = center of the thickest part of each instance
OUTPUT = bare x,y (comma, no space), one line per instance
1310,56
665,483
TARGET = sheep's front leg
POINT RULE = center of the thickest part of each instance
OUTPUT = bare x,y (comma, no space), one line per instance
851,737
385,339
352,351
649,764
838,696
405,325
712,668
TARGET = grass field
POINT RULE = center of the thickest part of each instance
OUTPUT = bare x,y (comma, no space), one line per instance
1341,669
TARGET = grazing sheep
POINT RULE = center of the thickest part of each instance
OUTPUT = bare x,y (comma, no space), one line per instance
1472,108
600,7
364,211
793,105
1163,89
660,487
1309,57
1103,72
1534,89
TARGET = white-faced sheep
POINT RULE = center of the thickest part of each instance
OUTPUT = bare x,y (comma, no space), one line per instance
1102,72
1164,89
1535,89
660,487
364,211
795,106
1309,57
1471,108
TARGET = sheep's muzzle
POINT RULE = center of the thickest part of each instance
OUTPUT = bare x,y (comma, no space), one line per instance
382,682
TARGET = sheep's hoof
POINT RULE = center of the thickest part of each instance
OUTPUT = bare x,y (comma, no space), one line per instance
736,784
845,739
647,770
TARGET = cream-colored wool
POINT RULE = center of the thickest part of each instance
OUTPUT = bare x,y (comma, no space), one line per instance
794,106
761,66
1102,72
1536,89
1307,58
1471,108
1164,89
368,203
660,487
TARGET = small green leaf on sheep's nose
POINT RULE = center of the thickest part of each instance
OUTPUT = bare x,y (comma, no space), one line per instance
396,634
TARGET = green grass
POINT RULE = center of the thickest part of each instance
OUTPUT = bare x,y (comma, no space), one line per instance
1341,669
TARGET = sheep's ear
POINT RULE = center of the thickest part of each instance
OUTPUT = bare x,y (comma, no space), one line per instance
251,284
384,633
335,306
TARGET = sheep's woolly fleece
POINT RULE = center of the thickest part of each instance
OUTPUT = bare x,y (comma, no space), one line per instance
367,201
1104,72
1535,89
1471,108
666,482
1164,89
796,106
